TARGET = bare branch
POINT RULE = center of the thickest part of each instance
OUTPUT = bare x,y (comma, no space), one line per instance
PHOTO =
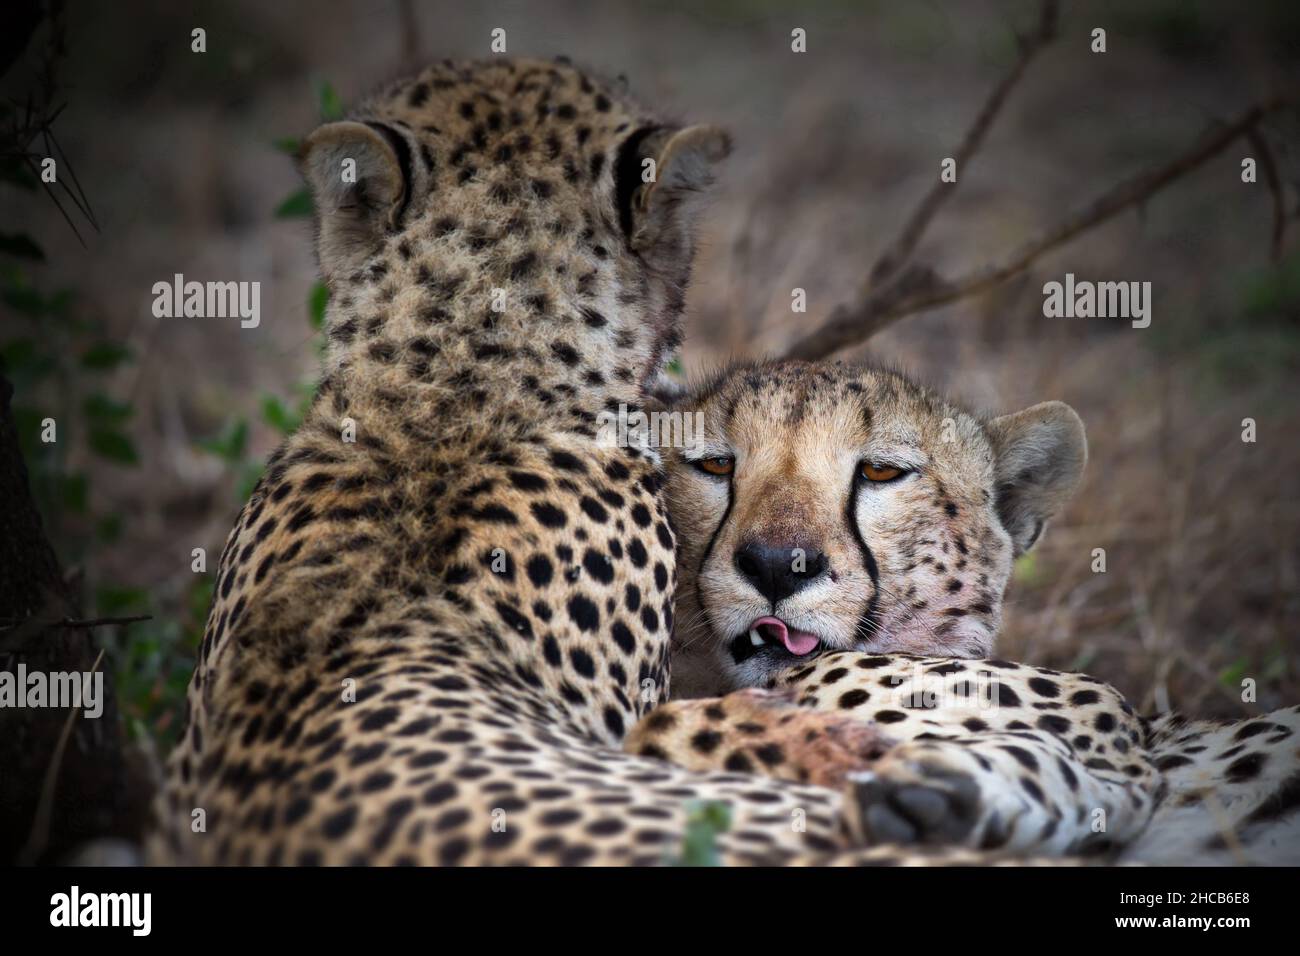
897,254
71,622
19,632
1268,163
409,40
919,288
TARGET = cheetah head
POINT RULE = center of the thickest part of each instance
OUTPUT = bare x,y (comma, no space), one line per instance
508,201
829,506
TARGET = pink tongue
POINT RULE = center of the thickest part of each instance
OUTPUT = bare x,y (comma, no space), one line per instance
796,642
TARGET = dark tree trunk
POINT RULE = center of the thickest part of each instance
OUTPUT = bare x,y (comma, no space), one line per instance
52,798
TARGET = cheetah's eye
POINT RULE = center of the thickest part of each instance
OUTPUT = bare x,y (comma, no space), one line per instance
718,465
881,473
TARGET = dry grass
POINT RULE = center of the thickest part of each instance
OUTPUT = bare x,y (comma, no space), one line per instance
1199,530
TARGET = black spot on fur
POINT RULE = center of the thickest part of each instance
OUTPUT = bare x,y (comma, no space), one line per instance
1246,767
584,613
853,698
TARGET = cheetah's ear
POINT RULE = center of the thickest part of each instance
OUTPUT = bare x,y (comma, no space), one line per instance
359,176
661,171
1040,453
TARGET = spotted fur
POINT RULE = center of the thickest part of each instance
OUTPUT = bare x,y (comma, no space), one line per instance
427,643
917,564
1001,758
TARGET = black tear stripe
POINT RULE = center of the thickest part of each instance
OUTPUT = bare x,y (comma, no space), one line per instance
867,619
708,550
403,150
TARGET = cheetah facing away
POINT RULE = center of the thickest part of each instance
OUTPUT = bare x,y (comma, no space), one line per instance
830,514
446,601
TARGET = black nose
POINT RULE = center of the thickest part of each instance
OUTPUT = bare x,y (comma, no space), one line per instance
779,572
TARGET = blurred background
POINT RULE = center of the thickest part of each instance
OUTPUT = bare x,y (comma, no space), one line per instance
183,160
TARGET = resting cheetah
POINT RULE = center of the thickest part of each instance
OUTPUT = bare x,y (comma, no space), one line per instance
832,507
905,512
446,600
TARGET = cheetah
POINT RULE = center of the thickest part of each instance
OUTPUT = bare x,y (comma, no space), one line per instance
845,538
446,601
938,507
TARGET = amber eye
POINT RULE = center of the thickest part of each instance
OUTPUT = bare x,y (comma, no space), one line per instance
880,472
720,465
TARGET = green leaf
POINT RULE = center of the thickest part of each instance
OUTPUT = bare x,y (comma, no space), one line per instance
11,274
27,422
1083,660
316,303
1231,676
59,302
230,444
1275,667
136,728
288,144
103,356
277,416
113,445
200,599
1026,568
1275,290
120,602
20,246
252,474
295,206
331,107
104,410
24,357
238,439
14,170
704,821
306,395
109,528
24,299
72,492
